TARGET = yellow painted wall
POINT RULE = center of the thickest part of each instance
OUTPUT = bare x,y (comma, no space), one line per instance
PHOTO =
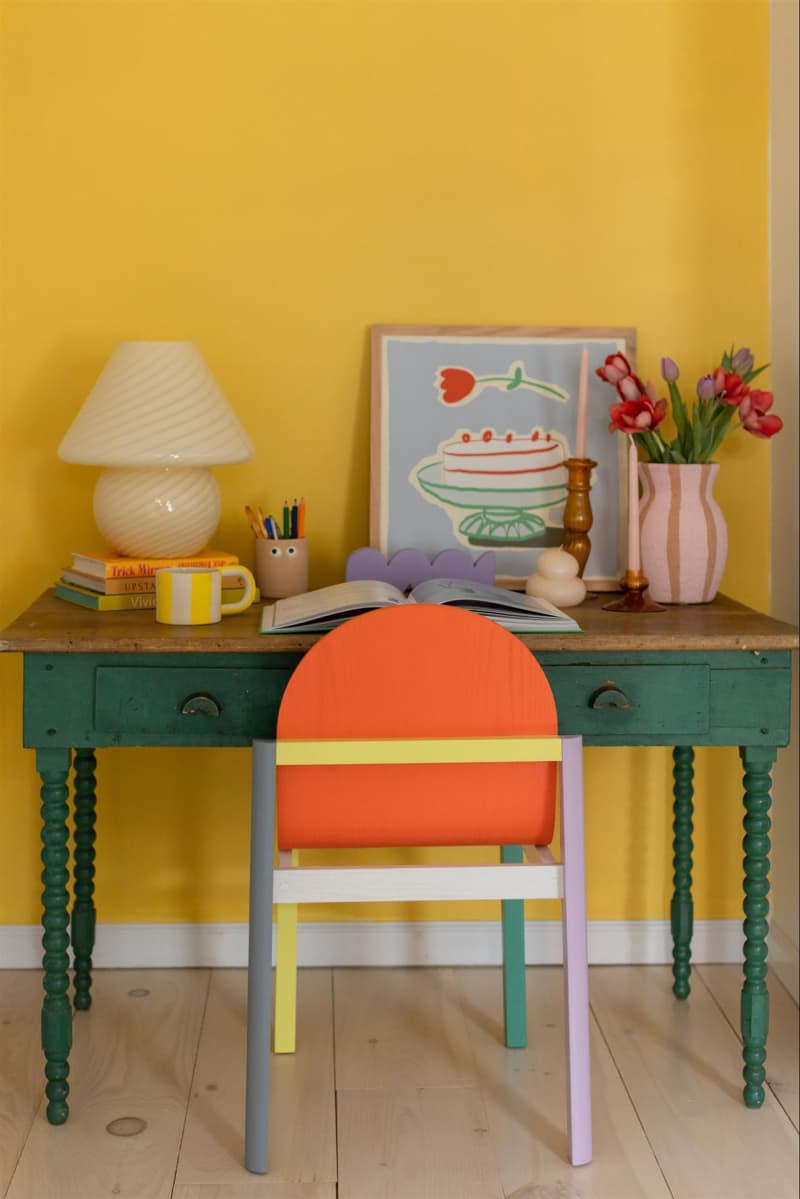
269,178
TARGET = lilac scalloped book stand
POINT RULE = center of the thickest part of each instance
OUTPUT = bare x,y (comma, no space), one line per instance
406,568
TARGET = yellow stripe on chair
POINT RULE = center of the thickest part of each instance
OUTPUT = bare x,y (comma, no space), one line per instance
418,750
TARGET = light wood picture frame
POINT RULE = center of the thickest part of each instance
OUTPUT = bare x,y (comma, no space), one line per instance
470,428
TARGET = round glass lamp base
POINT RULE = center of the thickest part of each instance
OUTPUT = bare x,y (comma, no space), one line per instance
157,512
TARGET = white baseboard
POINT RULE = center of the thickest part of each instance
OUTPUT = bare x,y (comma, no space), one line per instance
423,943
783,960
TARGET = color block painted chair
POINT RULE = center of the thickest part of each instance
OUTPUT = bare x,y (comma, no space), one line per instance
416,726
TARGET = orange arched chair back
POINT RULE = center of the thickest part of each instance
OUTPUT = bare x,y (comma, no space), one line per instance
416,671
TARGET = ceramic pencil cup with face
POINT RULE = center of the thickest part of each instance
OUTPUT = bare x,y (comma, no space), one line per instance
281,566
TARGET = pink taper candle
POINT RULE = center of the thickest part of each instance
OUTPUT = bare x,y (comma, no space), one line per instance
634,554
580,432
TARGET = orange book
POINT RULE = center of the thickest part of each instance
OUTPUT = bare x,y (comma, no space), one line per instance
111,566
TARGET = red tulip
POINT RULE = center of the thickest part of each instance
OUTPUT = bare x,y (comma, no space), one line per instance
735,389
629,388
616,367
755,415
636,416
455,384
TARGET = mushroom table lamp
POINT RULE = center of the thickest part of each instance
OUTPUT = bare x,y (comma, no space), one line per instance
157,420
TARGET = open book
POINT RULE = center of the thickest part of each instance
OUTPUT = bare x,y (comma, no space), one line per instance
318,611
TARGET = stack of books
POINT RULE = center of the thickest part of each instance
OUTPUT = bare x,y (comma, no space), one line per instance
112,584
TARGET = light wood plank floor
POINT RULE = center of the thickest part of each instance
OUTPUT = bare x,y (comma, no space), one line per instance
400,1089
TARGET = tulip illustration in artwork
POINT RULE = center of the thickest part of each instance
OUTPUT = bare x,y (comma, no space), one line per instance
457,385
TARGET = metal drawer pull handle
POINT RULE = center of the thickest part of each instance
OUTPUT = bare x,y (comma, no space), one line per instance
609,696
201,705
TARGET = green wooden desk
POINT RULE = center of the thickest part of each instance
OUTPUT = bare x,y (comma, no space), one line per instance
713,674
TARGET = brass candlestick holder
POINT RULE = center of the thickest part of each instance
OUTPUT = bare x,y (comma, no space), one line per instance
635,598
578,510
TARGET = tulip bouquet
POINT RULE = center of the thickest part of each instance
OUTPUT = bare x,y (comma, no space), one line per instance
721,395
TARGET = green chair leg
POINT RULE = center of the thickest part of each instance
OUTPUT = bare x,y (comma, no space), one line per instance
514,1007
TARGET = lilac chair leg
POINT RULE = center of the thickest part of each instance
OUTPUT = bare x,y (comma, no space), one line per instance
576,972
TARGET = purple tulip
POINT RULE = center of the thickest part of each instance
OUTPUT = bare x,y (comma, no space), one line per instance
669,370
742,361
705,388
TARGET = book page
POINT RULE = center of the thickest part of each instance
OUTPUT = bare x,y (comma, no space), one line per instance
482,597
359,595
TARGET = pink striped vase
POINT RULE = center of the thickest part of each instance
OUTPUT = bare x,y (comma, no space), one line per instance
684,537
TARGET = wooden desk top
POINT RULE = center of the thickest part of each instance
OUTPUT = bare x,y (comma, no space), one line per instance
52,625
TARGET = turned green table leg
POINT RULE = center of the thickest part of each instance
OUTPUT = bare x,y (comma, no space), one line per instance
513,912
53,767
681,909
757,764
83,912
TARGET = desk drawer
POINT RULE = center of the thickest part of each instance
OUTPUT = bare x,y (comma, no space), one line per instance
617,701
173,701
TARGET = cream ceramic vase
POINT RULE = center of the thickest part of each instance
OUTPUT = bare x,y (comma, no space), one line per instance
684,538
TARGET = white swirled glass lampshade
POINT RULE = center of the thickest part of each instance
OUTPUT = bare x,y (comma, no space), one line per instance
158,420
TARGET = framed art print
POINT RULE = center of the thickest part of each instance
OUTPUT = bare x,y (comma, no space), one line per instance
471,428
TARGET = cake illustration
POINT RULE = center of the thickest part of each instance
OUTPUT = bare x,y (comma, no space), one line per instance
512,486
504,462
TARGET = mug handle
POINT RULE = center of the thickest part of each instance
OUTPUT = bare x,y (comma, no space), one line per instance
249,589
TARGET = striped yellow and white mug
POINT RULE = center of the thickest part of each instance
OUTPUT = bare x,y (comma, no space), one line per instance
193,595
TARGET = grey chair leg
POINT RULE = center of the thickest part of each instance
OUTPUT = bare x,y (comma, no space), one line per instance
259,969
576,973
